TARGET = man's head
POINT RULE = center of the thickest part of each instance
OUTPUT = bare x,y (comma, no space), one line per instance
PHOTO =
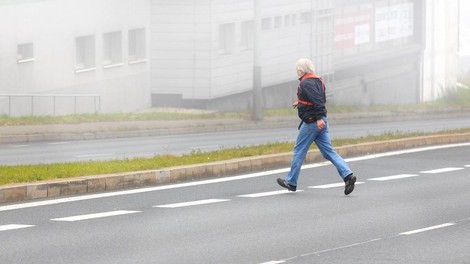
304,66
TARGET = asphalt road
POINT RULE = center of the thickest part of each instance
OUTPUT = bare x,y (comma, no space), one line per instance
408,207
119,148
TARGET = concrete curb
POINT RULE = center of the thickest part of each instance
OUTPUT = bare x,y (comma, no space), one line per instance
111,182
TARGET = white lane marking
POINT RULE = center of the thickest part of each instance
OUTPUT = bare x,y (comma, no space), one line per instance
426,229
468,166
93,216
13,226
218,180
325,251
407,151
332,185
59,143
205,147
263,194
441,170
394,177
19,146
94,155
192,203
274,262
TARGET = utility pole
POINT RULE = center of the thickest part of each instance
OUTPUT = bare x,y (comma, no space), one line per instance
257,114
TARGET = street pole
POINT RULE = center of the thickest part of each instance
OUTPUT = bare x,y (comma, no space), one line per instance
257,114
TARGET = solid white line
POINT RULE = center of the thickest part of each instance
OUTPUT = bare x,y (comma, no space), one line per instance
59,143
332,185
441,170
185,204
93,155
274,262
13,226
468,166
407,151
19,146
218,180
426,229
93,216
263,194
393,177
206,147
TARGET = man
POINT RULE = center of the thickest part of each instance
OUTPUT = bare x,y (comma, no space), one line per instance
313,128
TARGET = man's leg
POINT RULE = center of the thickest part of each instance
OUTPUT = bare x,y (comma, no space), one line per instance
304,139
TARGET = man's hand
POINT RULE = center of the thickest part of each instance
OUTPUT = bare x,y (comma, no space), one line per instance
321,124
295,104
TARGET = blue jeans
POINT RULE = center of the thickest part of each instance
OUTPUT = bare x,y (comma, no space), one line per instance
309,133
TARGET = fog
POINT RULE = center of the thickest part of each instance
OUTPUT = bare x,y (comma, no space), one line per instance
60,57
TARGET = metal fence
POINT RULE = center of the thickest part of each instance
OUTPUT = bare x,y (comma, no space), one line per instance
49,104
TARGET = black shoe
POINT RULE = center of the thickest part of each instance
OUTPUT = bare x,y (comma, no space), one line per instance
349,182
284,184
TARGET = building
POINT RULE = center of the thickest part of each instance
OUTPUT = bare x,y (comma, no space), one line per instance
201,53
368,52
68,56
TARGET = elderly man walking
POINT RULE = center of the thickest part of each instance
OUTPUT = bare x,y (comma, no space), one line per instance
313,128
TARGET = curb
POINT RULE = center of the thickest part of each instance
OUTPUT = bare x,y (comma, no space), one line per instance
119,181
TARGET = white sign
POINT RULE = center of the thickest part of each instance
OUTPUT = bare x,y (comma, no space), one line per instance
393,22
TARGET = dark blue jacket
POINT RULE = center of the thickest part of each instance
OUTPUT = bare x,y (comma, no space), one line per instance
311,98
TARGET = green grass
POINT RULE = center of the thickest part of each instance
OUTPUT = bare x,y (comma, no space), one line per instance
33,173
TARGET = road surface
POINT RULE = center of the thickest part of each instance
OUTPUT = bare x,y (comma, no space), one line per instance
408,207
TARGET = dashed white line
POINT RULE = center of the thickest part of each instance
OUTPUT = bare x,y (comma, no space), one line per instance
263,194
393,177
332,185
13,226
192,203
93,216
426,229
441,170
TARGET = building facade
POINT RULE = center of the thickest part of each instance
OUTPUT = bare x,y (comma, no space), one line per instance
68,56
201,53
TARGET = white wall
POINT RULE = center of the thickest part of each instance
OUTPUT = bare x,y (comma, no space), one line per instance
440,54
186,54
52,26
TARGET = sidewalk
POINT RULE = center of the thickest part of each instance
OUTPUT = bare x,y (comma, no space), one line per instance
100,130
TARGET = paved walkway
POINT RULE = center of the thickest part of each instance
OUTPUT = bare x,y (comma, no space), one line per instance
16,134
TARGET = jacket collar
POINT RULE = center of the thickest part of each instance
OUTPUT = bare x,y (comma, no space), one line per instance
308,75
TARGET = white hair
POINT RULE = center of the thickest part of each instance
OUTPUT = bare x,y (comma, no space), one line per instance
305,65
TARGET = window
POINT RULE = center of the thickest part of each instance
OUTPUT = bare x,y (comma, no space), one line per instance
277,21
287,22
305,18
112,49
25,53
227,38
137,45
266,23
246,35
85,53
